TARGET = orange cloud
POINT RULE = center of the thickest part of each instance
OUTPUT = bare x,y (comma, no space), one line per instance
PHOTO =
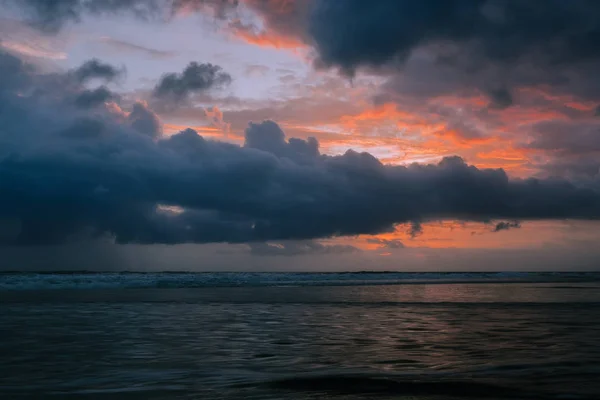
564,99
33,50
515,116
454,101
387,111
506,154
276,16
514,161
266,39
389,149
466,235
459,139
393,135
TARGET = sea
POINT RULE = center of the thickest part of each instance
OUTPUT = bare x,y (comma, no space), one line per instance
361,335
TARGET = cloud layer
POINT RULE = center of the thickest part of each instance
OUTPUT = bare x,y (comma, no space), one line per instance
492,46
428,48
68,172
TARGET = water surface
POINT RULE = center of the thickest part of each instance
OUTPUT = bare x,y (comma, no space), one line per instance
530,338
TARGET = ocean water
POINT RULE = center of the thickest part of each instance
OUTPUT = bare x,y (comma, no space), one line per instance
300,336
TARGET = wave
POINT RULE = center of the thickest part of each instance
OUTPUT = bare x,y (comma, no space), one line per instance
140,280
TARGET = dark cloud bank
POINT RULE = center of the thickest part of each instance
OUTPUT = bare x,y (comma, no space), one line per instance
492,46
68,172
352,33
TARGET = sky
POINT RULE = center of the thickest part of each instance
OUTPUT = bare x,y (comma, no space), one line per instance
308,135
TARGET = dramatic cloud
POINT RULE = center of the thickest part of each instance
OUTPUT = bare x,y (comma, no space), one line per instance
143,120
506,225
69,173
269,137
94,97
282,23
14,73
96,69
435,47
489,45
195,78
354,33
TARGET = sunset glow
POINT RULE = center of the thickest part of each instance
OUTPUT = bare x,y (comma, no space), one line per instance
310,125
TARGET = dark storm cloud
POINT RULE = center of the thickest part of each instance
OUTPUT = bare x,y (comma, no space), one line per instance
68,87
144,120
96,69
354,33
506,225
195,78
15,69
489,45
52,15
501,98
70,173
269,137
94,97
295,248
